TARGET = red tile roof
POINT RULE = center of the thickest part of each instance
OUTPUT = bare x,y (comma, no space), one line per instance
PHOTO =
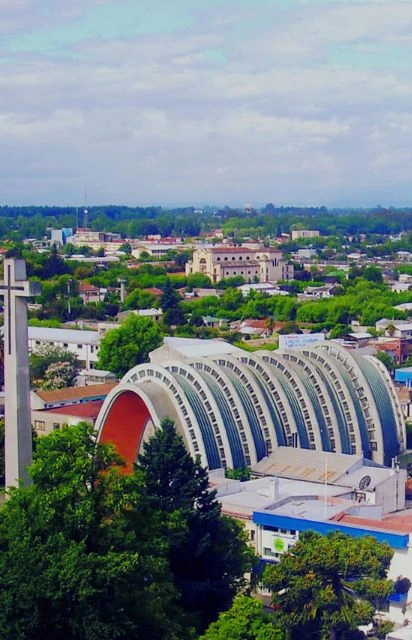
390,523
154,291
75,393
256,324
85,287
82,410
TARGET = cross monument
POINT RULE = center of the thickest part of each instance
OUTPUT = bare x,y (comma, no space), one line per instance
18,445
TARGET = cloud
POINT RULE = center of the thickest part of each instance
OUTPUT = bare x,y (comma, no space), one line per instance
281,101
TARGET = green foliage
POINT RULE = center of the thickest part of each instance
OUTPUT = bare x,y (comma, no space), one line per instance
2,454
386,360
140,299
53,367
80,554
51,324
339,330
197,281
402,585
170,304
208,576
239,474
329,584
128,345
246,620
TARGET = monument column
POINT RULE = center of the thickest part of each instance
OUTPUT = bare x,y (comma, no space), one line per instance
18,443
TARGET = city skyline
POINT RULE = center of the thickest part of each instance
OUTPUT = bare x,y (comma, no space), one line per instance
200,101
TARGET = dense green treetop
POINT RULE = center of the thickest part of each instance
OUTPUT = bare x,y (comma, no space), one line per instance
129,344
80,553
17,223
245,620
327,586
208,553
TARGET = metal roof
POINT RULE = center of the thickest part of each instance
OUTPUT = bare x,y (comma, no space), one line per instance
307,464
76,336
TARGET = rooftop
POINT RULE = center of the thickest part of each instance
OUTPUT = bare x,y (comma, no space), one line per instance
75,394
194,348
400,523
77,336
86,286
307,464
83,410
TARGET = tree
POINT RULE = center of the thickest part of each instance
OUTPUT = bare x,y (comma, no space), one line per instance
339,330
139,299
386,359
128,345
2,453
246,620
53,368
209,576
172,314
80,553
329,585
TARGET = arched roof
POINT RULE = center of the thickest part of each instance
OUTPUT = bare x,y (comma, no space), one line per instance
233,410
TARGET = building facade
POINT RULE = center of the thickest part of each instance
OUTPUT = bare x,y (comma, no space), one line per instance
259,264
83,344
234,408
298,234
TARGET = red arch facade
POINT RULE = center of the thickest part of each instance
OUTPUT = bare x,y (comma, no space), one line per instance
124,426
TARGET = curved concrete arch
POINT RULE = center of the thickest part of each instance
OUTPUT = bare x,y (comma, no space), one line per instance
339,386
370,412
322,397
124,419
167,395
277,394
210,406
240,374
400,420
234,409
301,396
230,400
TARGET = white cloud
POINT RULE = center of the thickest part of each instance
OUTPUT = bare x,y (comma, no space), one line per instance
159,119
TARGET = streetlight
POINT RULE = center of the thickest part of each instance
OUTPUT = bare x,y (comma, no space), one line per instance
69,282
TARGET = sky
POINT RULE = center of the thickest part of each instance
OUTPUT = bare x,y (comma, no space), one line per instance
139,102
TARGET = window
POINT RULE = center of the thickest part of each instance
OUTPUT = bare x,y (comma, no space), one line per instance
79,346
40,425
56,425
252,535
65,344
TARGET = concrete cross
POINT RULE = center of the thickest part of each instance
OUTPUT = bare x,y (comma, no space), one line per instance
16,289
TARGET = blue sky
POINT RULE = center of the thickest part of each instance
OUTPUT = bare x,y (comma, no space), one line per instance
206,101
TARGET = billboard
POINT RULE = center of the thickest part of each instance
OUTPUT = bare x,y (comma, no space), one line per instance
296,340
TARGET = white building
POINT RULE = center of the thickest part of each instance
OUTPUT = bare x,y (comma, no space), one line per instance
261,287
253,263
157,249
302,490
153,314
298,234
83,344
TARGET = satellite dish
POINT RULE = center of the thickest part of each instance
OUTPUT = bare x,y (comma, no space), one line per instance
364,482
